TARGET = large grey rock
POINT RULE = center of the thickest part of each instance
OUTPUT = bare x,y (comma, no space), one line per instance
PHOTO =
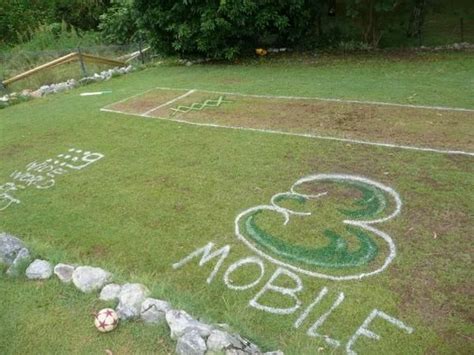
72,83
278,352
59,87
248,346
153,311
219,340
23,256
39,270
9,248
37,94
131,297
235,352
64,272
110,292
87,80
191,343
180,322
46,90
89,279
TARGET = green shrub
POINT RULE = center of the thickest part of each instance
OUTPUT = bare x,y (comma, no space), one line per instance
18,17
118,24
82,14
226,29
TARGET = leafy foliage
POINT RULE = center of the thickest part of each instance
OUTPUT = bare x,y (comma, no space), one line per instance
18,17
226,28
82,14
119,23
21,18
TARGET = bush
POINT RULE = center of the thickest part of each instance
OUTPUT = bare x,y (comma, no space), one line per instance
82,14
225,29
18,17
118,24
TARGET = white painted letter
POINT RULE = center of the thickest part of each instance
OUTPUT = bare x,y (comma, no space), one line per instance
312,330
269,286
206,256
363,330
239,263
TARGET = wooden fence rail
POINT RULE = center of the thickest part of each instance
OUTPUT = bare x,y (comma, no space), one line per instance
71,57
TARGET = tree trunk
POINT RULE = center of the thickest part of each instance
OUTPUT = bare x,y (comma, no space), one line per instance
417,19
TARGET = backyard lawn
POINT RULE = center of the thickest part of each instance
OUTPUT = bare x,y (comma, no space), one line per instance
335,191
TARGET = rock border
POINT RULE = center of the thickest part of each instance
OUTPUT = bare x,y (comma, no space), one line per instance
193,337
27,94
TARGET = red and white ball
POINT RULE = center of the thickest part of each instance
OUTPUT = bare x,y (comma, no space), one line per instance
106,320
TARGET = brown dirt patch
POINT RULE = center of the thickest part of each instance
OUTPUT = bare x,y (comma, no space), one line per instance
147,101
375,123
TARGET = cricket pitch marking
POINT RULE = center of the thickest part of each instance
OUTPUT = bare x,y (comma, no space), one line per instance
148,114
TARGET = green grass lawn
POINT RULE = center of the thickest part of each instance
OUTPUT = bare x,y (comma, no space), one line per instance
164,189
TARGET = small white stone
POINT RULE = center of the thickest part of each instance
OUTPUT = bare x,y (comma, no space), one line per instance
64,272
89,279
39,270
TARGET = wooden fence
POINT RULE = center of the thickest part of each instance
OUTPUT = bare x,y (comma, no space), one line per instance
71,57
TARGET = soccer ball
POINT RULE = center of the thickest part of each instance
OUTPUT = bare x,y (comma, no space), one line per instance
106,320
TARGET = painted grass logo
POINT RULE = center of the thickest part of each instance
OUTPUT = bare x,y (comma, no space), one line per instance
366,206
348,207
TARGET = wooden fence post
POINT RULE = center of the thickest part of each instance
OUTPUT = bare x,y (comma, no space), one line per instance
140,48
81,61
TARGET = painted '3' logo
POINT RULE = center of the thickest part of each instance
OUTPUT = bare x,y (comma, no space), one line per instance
339,212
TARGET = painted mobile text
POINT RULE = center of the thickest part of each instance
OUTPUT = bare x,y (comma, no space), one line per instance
370,209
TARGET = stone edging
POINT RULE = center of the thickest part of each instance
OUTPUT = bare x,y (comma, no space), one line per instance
44,90
133,302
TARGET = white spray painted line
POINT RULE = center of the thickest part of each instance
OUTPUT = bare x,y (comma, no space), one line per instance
305,135
312,331
128,98
362,224
95,93
316,98
364,329
42,175
189,92
308,310
249,260
222,253
270,286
